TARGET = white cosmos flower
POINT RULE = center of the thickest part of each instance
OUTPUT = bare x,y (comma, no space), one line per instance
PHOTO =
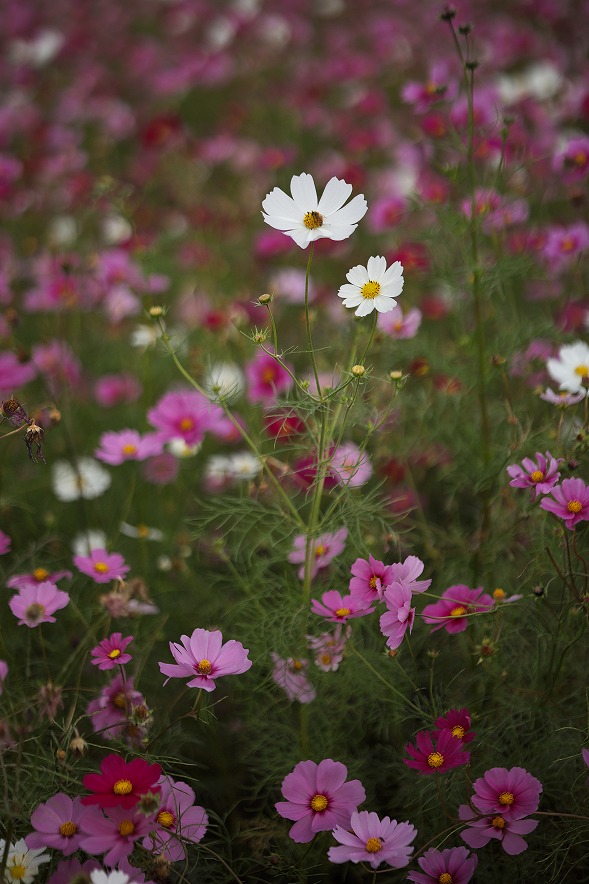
225,380
373,287
305,218
86,478
23,864
98,876
571,367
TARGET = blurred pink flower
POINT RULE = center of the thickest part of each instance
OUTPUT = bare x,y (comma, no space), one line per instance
116,389
35,577
5,544
187,415
14,374
399,325
325,548
266,379
350,466
3,674
101,566
291,676
329,647
35,604
563,245
178,820
117,447
203,657
373,841
111,711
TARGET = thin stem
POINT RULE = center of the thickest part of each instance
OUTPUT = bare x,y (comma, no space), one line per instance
308,320
391,687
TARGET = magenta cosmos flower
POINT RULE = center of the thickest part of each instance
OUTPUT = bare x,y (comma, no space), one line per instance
569,501
110,652
325,548
508,832
369,577
203,657
35,577
457,722
318,798
430,758
407,573
114,833
5,543
111,711
101,566
338,608
540,476
373,841
178,819
120,782
452,610
188,415
399,616
36,604
291,676
452,866
513,793
266,379
57,823
116,448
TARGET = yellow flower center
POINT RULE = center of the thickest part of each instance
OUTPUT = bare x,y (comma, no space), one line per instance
319,803
537,476
499,594
313,220
498,822
370,290
325,659
100,567
122,787
580,158
372,581
126,827
165,819
343,612
574,506
17,873
186,424
582,370
204,667
142,530
268,375
35,611
320,550
40,574
458,731
435,759
119,700
459,611
506,798
129,450
445,878
373,845
114,654
296,665
68,829
567,245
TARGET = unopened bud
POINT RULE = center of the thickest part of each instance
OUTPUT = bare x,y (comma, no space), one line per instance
61,755
396,375
260,336
156,312
448,13
78,745
265,299
358,371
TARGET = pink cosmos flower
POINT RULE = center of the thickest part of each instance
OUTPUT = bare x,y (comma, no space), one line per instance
68,869
373,841
569,501
203,657
101,566
540,475
480,831
338,608
455,865
35,577
187,415
35,604
121,783
266,379
318,798
329,647
110,652
178,819
115,832
562,399
399,325
407,573
573,161
563,245
439,86
291,676
457,722
5,543
57,823
325,548
111,711
13,373
350,466
58,365
369,578
513,793
116,448
452,610
3,674
430,758
116,389
399,616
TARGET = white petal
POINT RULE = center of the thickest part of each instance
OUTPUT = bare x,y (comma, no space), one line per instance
337,234
357,275
351,213
394,272
384,305
353,301
365,308
281,223
303,192
334,196
301,236
376,267
348,291
392,289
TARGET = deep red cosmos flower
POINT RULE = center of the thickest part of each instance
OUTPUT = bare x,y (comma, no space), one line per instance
121,783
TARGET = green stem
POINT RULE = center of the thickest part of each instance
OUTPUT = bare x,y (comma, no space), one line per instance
308,321
391,687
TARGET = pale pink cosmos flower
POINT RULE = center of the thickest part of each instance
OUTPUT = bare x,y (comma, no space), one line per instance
5,543
203,657
338,608
266,379
116,448
101,566
573,160
480,831
329,647
369,578
452,610
318,798
68,869
540,476
36,604
454,865
513,793
350,466
563,245
325,548
373,841
569,501
110,652
178,819
116,389
562,399
400,325
407,573
399,616
291,675
35,577
111,711
14,373
114,832
57,823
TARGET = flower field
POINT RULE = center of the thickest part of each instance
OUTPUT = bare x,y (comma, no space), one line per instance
294,436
